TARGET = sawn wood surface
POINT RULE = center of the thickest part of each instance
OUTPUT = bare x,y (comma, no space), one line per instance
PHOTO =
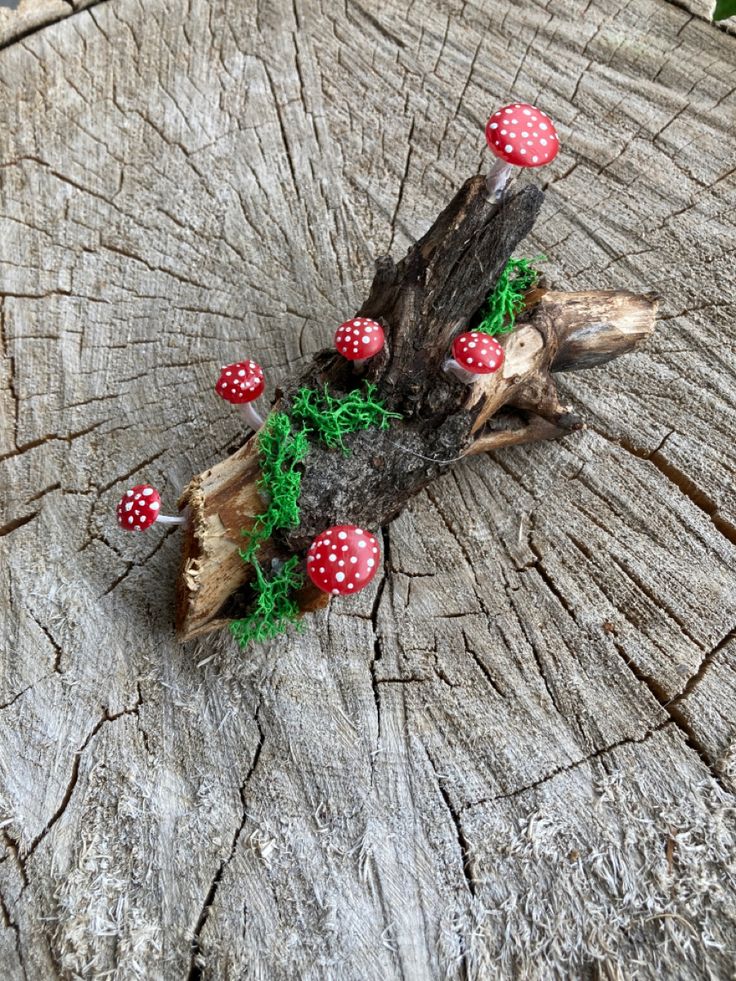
511,757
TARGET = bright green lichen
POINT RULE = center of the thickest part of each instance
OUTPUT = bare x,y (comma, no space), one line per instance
507,299
280,451
274,608
332,418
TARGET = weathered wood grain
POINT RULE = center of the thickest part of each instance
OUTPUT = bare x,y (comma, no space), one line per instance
513,756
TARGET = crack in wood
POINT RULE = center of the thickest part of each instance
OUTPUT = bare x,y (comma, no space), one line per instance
694,680
456,818
12,925
481,666
74,777
16,523
628,741
196,959
377,653
51,437
130,565
685,484
669,706
58,651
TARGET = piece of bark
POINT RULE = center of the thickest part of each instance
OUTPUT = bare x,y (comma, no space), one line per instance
423,302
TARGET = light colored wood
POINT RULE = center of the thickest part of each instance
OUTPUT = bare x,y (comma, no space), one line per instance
30,15
513,755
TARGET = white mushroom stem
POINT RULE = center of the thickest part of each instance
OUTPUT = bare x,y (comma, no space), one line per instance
498,177
170,519
251,416
457,371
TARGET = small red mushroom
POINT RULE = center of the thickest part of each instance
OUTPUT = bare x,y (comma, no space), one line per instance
474,354
359,339
139,508
240,384
343,560
519,135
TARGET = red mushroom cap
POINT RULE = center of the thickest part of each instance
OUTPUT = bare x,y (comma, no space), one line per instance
522,135
139,507
478,353
343,559
240,382
359,338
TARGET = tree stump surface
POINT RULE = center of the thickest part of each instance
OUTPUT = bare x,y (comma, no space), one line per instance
514,755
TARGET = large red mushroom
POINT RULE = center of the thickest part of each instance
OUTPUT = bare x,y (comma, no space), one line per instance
473,354
139,509
241,384
359,339
520,135
343,560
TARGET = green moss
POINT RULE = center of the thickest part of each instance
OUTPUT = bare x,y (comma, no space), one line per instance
274,608
332,418
507,299
283,444
280,450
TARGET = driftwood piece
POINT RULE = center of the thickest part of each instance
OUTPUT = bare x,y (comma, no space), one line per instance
423,302
514,755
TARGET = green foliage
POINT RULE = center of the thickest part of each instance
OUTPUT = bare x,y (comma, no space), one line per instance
280,451
507,299
724,9
274,608
332,418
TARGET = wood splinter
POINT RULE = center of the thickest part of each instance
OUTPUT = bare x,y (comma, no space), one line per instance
423,302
